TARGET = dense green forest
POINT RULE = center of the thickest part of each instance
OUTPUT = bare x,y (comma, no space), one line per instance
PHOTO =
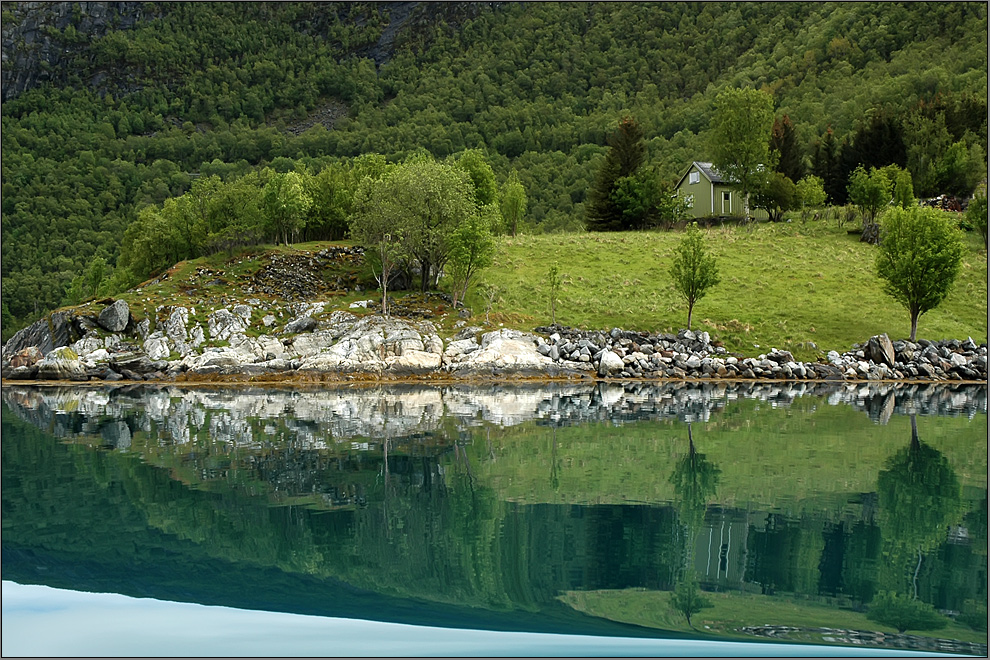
194,91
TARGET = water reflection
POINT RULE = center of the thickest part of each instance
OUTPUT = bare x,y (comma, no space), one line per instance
521,508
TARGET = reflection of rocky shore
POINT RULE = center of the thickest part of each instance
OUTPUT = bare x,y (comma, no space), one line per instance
326,417
866,638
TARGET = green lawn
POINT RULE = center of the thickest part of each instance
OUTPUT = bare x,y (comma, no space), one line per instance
731,611
783,285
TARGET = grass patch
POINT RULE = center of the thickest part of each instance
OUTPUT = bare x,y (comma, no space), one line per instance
732,611
783,286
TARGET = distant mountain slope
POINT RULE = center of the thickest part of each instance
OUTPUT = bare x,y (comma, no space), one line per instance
109,107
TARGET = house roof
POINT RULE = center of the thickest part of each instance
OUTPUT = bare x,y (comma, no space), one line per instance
707,170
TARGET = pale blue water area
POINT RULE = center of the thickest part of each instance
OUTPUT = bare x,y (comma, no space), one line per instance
505,520
41,621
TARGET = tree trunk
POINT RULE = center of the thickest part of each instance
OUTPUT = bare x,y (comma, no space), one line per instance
914,325
424,278
690,310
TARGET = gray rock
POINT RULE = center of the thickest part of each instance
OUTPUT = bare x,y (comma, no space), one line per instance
243,311
134,361
115,317
222,323
880,349
157,346
61,364
693,362
175,325
301,324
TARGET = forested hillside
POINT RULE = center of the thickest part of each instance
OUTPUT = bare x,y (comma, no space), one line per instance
103,118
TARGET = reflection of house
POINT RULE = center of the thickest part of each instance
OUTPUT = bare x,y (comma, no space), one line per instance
709,194
720,550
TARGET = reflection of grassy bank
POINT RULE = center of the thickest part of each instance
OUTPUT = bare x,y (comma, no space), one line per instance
731,611
784,457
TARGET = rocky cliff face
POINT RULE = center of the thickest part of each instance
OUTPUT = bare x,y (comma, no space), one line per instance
41,40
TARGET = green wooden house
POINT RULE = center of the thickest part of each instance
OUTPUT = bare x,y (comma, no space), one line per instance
710,195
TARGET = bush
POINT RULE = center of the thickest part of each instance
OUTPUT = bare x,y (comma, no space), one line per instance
905,613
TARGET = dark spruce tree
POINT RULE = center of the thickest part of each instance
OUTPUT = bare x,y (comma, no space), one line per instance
783,140
626,153
827,164
877,143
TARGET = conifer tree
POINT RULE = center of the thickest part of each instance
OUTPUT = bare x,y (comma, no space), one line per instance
783,140
626,153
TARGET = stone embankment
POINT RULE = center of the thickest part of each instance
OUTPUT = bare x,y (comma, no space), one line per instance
307,340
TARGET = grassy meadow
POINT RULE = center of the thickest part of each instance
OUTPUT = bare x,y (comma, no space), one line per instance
731,611
787,286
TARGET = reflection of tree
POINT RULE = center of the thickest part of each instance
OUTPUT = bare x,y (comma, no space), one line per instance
919,498
687,598
554,476
695,479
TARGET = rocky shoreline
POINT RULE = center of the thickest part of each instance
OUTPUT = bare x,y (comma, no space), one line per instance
307,341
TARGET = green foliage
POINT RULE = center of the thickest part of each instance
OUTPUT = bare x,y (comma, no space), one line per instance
694,270
976,212
473,162
870,192
553,289
611,207
645,201
918,259
472,249
513,203
687,598
904,613
740,136
776,195
811,191
974,616
903,189
285,204
374,227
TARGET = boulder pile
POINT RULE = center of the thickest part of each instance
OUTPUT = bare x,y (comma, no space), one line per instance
309,339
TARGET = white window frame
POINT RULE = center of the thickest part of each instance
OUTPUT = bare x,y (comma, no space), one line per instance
694,177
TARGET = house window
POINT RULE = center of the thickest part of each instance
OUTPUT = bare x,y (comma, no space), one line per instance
694,177
726,197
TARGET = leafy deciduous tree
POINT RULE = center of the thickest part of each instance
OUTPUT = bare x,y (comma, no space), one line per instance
513,203
693,270
869,191
285,204
776,195
739,141
472,248
976,212
919,257
811,191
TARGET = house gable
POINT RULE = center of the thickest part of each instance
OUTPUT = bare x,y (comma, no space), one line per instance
709,192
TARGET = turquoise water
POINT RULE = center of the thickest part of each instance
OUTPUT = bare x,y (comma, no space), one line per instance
552,510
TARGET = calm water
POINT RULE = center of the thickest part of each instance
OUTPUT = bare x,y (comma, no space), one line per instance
563,509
